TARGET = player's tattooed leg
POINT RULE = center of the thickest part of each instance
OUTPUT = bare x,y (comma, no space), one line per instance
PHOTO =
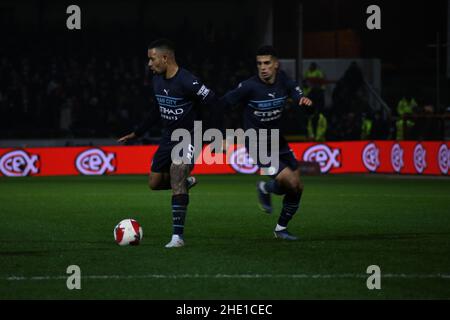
178,175
159,181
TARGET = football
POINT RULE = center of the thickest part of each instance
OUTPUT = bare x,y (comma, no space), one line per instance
128,232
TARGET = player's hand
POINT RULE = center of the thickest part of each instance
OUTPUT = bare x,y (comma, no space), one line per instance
305,101
127,137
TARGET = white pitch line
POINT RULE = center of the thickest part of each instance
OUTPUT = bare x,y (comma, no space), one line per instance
232,276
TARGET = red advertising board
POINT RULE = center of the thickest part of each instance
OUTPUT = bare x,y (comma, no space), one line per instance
406,157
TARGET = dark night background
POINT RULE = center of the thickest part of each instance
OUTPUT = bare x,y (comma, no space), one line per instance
99,72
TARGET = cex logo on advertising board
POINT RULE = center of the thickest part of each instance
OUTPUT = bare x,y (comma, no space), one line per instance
95,162
324,155
397,157
444,158
371,158
420,155
19,163
242,162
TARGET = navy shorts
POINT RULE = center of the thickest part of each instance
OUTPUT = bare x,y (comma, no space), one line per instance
286,158
162,158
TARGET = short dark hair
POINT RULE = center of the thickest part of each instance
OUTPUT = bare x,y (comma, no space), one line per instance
267,51
162,44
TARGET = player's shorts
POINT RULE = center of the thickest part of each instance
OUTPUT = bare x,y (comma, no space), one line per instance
286,159
162,158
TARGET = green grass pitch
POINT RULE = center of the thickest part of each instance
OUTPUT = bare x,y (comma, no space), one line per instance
346,223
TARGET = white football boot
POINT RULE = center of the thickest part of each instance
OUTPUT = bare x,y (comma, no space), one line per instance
191,182
176,242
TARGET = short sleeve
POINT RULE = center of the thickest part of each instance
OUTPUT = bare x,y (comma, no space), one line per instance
237,95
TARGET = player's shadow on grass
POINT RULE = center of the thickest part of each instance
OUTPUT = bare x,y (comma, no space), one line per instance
108,246
24,253
377,236
306,238
98,246
59,241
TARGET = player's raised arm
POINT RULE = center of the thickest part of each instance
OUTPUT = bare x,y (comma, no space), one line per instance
235,95
295,92
200,92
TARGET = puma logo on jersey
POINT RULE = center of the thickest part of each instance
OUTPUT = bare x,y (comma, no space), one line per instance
166,91
195,82
271,95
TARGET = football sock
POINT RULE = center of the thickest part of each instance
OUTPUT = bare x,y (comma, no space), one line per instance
272,186
290,207
179,207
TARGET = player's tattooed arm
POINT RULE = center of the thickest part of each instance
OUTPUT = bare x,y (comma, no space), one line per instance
178,176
